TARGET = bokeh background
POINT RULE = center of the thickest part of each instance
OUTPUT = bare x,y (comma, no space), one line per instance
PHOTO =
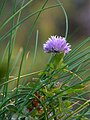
50,22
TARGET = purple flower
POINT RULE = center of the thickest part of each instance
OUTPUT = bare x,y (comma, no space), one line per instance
56,44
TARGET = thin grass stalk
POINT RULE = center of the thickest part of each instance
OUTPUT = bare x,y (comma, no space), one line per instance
76,49
15,14
2,7
78,63
5,89
34,13
23,76
71,77
66,18
4,53
16,61
9,57
82,53
83,113
34,57
44,108
86,104
31,30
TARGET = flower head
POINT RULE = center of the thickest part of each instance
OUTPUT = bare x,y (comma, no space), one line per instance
56,44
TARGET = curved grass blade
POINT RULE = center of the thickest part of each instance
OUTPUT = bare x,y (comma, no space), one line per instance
34,57
15,26
15,14
31,30
66,18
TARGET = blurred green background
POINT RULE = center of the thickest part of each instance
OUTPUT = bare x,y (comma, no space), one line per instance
50,22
